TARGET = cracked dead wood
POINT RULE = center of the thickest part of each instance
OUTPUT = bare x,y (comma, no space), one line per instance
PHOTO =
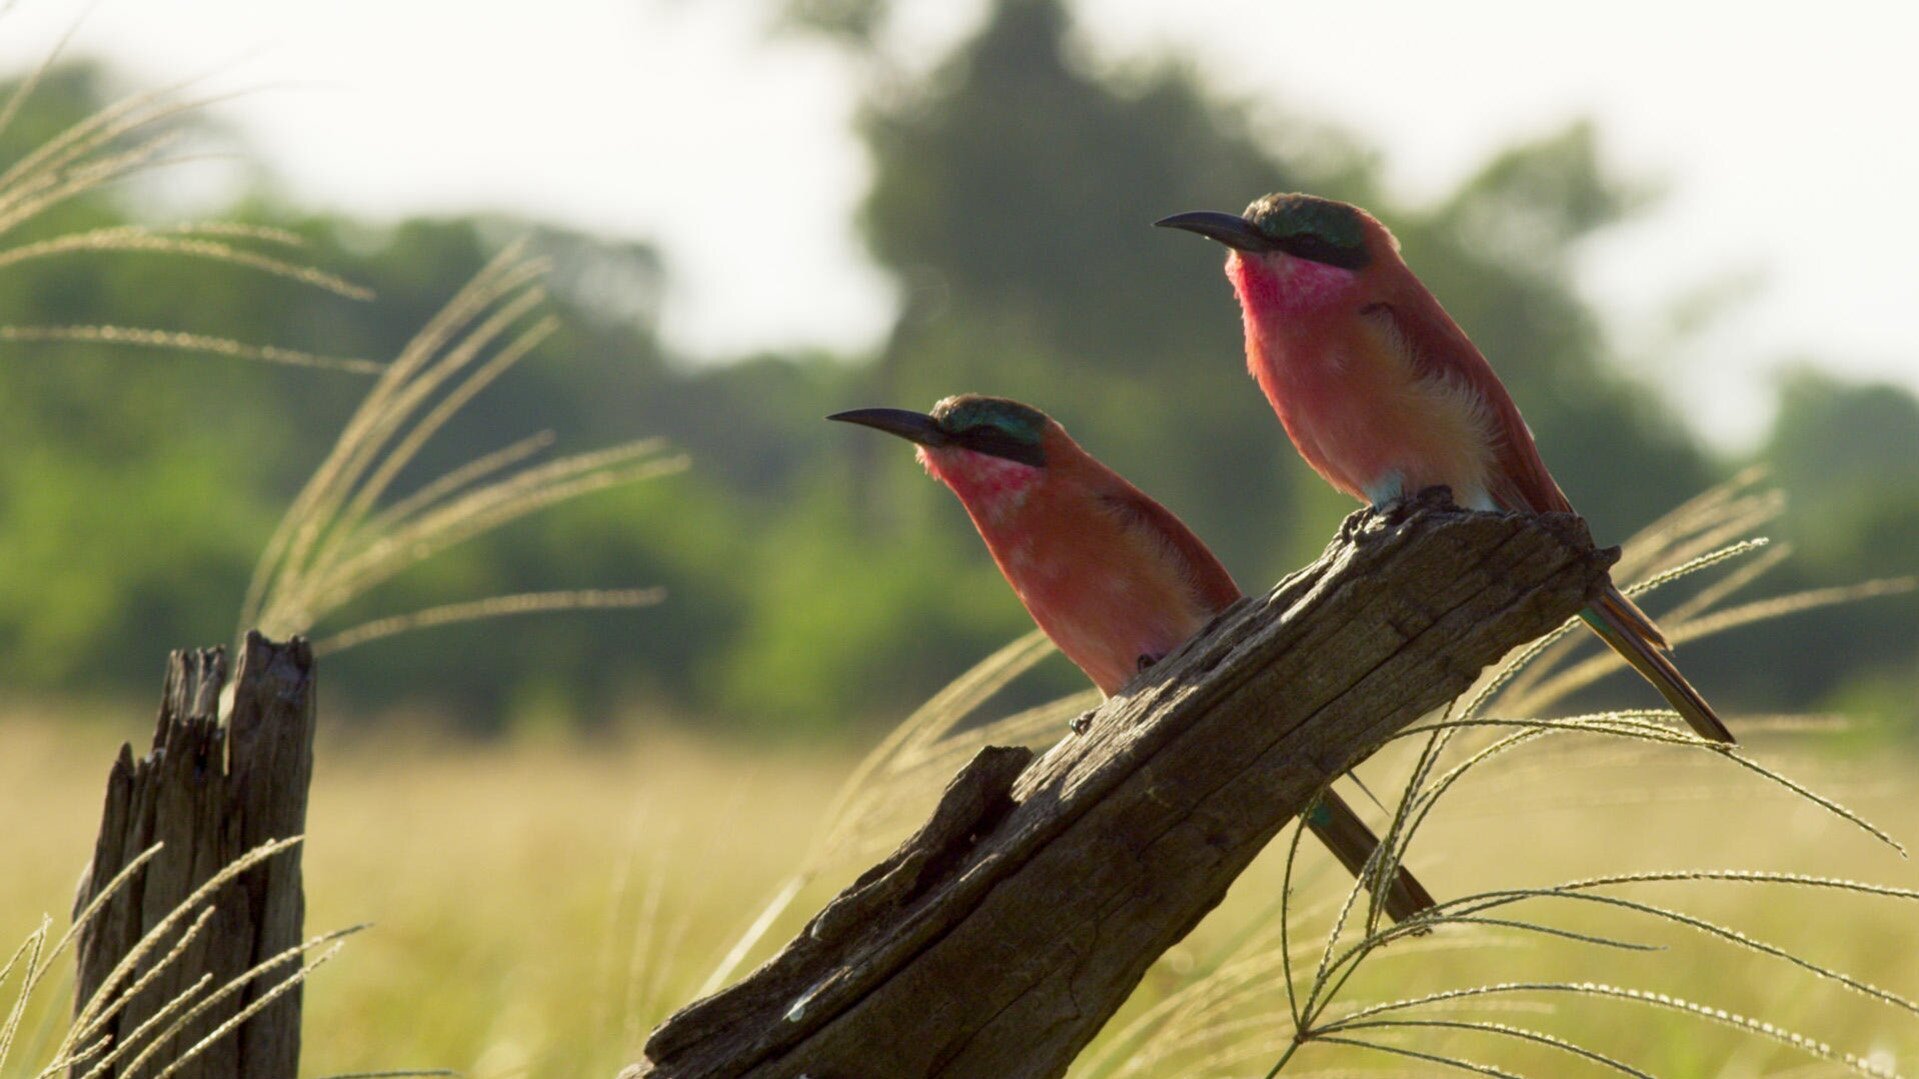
210,792
998,939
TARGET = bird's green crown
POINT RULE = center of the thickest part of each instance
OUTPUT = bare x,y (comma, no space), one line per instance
974,418
1311,227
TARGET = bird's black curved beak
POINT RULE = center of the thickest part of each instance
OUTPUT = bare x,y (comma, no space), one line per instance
1230,229
911,426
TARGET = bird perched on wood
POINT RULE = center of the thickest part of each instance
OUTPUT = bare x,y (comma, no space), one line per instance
1384,395
1112,576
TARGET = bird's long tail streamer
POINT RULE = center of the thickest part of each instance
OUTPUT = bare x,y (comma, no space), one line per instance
1627,630
1337,826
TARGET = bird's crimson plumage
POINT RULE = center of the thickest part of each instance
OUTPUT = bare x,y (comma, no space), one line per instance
1374,381
1107,572
1114,578
1384,395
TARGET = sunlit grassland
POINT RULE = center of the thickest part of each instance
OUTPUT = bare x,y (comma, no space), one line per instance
538,907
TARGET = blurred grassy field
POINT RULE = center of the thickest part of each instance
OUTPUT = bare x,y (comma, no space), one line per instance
538,908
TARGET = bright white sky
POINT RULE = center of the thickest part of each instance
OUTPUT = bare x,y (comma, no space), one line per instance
1786,133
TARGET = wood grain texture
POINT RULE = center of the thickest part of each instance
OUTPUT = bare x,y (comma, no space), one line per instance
1022,915
210,792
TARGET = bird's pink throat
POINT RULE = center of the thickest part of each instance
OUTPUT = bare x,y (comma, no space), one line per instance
1279,286
985,483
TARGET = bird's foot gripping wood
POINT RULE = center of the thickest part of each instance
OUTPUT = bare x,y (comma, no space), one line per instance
1396,512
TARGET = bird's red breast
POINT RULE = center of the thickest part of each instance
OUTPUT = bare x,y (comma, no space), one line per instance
1379,389
1107,572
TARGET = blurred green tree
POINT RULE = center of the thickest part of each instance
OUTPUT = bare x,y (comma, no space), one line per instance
1847,453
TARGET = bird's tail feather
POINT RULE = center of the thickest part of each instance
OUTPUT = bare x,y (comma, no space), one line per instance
1627,630
1626,612
1337,826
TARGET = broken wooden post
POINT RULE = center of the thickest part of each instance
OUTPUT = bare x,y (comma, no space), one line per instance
210,792
1000,938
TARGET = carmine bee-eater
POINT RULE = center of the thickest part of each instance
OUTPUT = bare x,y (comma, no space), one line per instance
1112,576
1384,395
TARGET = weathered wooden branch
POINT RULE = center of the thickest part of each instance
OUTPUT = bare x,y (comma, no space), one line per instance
998,939
211,792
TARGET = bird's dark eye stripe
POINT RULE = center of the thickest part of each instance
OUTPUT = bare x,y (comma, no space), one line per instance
1310,245
985,438
1316,248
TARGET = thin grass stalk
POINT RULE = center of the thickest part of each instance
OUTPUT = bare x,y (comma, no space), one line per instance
458,479
149,941
1553,931
35,941
457,360
1642,556
233,230
892,799
1285,929
1743,517
30,978
28,85
308,583
1521,679
152,974
480,512
1793,603
182,341
394,397
1518,668
1746,876
637,987
1460,1063
92,909
1501,1029
305,596
1489,900
248,1012
234,985
85,1053
1215,994
141,238
1716,593
1216,1065
1651,999
755,932
1208,1040
928,722
1326,986
1734,499
523,603
162,1014
1690,566
361,446
1147,1037
345,528
97,129
970,692
46,925
1618,725
60,159
26,204
313,509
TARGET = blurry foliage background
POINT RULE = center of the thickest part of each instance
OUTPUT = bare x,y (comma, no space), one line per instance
818,582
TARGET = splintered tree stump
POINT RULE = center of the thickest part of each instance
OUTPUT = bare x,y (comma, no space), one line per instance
210,792
998,939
